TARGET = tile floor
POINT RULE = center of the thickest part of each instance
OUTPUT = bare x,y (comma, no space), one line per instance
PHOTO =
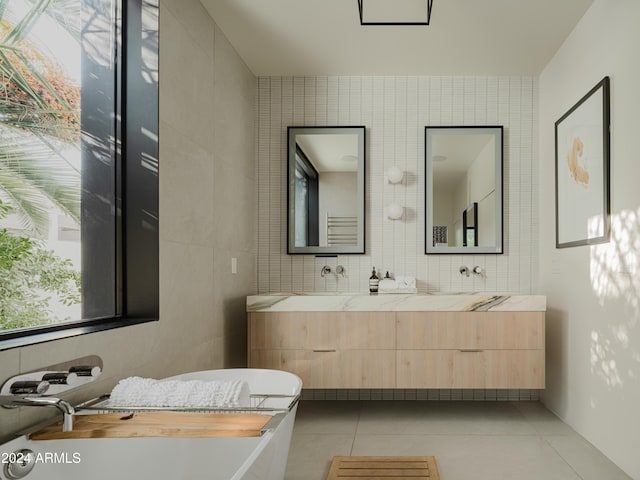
470,440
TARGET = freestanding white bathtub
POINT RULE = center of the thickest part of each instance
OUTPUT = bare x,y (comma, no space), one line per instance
247,458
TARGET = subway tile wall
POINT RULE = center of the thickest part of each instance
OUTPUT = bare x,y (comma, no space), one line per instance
395,111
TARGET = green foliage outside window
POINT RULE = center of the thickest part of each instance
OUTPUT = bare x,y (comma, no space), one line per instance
29,275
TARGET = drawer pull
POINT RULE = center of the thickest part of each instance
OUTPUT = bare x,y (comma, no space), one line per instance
321,350
470,350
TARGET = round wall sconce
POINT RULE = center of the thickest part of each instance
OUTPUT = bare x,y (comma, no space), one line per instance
394,175
394,211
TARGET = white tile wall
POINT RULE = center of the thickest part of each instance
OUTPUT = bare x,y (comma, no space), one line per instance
395,111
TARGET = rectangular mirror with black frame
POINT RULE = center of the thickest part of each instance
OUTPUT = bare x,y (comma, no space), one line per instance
326,190
463,190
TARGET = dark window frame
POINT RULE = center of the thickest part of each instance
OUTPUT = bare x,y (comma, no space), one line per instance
470,223
313,202
136,276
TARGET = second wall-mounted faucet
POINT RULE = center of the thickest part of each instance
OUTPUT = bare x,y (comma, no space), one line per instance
477,270
326,270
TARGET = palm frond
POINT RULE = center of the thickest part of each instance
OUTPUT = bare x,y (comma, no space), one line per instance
4,209
75,171
24,68
3,7
25,25
8,69
28,202
18,121
39,121
44,110
39,164
67,14
39,118
43,81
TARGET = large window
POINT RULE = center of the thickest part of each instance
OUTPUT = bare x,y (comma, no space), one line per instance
78,167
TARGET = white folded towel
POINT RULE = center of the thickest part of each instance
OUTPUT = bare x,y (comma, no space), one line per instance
406,282
400,284
147,392
387,284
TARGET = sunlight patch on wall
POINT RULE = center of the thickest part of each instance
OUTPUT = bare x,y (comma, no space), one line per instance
614,268
614,265
601,362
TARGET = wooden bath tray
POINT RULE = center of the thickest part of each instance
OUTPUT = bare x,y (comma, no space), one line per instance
158,424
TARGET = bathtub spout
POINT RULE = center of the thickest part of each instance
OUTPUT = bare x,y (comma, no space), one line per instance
63,406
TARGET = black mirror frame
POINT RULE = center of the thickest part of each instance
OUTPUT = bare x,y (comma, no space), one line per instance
429,249
360,247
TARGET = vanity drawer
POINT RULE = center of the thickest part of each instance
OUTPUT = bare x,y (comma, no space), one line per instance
470,330
470,369
322,330
327,368
298,362
354,369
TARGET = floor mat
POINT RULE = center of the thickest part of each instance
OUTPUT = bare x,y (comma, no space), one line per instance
383,468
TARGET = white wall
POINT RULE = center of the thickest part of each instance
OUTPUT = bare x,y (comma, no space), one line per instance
395,111
207,195
481,174
593,330
481,181
460,197
443,216
336,197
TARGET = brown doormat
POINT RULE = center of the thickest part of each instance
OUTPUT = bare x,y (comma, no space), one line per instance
383,468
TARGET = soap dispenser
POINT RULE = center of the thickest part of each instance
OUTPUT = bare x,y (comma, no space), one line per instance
373,282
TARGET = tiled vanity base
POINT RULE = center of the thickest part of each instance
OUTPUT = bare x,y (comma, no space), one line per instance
430,394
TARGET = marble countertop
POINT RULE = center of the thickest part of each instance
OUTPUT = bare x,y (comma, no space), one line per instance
363,302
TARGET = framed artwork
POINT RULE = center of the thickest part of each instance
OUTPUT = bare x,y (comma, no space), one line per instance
582,171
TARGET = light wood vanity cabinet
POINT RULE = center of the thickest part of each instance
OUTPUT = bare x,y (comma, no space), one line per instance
470,350
326,349
402,349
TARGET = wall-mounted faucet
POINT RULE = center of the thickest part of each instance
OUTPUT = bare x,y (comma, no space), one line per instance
12,401
326,270
477,270
464,270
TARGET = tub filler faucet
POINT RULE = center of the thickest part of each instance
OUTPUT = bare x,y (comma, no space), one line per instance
67,410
